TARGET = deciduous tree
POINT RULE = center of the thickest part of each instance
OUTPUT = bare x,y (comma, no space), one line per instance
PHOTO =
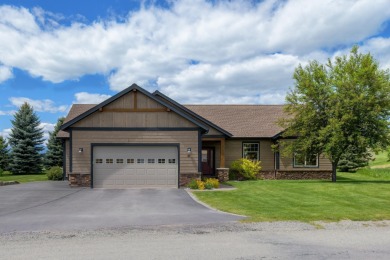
338,106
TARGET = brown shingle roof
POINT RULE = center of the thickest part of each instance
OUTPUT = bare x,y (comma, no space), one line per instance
248,121
75,111
243,120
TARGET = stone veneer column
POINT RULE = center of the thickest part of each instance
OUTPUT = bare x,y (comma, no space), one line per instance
223,174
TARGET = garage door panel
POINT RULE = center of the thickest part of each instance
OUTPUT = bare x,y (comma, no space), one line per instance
135,166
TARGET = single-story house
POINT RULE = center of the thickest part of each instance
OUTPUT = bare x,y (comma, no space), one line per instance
142,139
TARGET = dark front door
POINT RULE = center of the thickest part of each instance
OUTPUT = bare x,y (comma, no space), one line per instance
208,164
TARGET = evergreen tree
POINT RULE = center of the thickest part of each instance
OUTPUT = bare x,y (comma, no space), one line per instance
54,147
26,141
4,154
350,161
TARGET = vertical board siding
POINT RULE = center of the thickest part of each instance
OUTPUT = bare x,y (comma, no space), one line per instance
83,139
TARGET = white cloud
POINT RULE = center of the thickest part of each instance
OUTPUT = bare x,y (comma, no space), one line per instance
5,73
45,105
7,113
89,98
5,133
46,127
196,50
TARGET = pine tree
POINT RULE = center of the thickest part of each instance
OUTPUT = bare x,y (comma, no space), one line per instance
4,154
351,161
54,147
26,141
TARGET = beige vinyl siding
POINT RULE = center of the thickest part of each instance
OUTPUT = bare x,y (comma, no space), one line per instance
67,156
83,139
134,119
233,152
287,164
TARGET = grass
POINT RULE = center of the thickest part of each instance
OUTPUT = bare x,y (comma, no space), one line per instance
23,178
381,160
355,196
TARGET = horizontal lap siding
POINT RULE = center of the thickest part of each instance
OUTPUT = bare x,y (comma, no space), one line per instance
186,139
287,164
233,151
67,156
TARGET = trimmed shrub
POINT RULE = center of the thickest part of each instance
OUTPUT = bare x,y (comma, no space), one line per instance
196,184
244,169
54,173
213,182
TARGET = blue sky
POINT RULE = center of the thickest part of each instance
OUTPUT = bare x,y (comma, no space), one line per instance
56,53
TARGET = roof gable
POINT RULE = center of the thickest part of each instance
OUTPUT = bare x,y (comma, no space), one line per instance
109,104
195,115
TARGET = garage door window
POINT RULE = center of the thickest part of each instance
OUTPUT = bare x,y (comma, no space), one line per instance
119,160
161,161
109,160
172,161
99,161
130,160
140,161
151,160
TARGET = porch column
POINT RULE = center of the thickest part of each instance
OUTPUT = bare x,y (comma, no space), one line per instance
222,154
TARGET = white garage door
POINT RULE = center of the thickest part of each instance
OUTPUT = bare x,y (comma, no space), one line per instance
135,166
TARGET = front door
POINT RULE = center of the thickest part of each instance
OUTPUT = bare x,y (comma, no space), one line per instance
208,163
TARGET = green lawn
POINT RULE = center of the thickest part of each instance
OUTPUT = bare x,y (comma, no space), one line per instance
23,178
381,161
355,196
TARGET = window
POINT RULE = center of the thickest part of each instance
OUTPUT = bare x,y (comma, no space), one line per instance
301,160
250,151
109,160
151,160
172,161
140,160
161,161
99,161
130,160
119,160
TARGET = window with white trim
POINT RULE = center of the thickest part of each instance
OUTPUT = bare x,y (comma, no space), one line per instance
251,151
308,161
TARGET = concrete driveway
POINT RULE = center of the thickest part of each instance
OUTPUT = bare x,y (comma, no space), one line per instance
50,206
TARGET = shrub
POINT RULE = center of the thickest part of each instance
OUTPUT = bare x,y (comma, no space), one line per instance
213,182
196,184
208,186
54,173
244,169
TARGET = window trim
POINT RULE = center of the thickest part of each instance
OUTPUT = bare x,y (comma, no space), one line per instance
305,164
251,142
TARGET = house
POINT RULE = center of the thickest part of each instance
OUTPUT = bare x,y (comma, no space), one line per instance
142,139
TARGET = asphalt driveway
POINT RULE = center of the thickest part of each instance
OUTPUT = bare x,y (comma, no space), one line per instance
41,206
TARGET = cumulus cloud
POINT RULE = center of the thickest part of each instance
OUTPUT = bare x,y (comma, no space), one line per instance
45,105
46,127
243,50
89,98
5,133
5,73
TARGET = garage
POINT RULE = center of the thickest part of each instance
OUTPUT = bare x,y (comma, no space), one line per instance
120,167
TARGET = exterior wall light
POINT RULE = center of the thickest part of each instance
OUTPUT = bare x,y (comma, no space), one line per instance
81,150
189,151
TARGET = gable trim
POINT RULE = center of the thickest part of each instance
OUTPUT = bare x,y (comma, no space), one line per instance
202,119
133,87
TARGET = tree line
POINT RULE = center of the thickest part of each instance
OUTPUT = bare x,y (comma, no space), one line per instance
23,153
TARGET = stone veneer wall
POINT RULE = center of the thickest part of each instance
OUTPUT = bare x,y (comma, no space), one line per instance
295,175
185,178
79,180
